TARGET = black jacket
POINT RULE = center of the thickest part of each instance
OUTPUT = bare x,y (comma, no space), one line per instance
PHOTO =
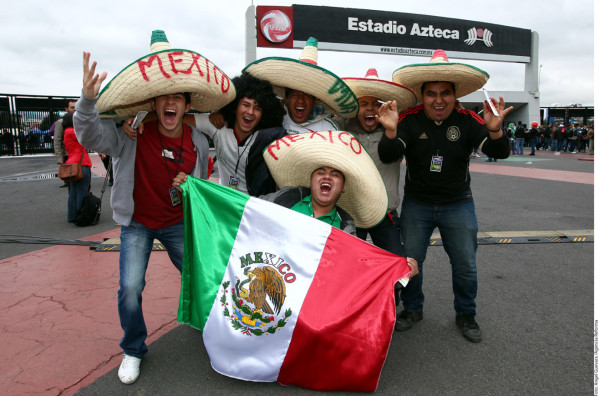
437,156
258,178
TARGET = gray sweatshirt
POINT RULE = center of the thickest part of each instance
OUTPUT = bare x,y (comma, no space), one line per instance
104,137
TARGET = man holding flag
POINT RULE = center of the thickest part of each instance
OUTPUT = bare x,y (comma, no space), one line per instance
280,296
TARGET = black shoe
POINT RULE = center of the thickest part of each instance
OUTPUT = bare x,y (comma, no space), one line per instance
406,320
469,327
64,185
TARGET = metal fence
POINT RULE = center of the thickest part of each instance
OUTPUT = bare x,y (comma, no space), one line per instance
26,122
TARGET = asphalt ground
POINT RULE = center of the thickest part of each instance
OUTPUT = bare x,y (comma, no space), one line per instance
535,301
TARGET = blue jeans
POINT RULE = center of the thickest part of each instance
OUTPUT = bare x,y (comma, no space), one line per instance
532,143
77,191
520,143
458,228
136,245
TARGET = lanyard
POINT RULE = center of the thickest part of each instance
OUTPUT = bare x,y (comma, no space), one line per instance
248,144
180,154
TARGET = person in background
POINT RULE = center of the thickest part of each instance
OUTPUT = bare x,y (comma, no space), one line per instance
76,153
520,137
533,135
510,133
58,143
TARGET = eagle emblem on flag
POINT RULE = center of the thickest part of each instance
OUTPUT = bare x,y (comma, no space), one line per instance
256,301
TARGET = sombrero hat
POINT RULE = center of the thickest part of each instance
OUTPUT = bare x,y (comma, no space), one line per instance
371,85
466,78
165,71
293,158
305,75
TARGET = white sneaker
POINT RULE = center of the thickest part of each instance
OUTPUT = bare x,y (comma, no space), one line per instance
129,370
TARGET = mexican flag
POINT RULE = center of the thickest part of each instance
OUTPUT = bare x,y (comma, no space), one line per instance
280,296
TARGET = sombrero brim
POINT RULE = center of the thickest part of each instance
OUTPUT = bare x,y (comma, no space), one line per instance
384,90
328,88
292,161
466,78
162,73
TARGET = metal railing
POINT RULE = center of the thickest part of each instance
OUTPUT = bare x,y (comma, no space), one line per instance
26,122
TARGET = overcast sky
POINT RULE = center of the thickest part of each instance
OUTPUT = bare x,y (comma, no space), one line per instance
42,41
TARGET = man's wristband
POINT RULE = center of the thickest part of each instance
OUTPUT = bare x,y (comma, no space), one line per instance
497,130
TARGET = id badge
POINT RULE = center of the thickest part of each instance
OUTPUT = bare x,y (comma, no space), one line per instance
175,198
234,182
436,163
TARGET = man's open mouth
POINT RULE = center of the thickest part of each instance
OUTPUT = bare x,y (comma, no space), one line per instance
170,115
247,121
370,120
299,111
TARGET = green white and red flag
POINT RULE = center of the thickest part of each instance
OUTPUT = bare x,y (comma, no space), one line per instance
280,296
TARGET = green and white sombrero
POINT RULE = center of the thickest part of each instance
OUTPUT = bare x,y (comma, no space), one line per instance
165,71
466,78
293,158
305,75
384,90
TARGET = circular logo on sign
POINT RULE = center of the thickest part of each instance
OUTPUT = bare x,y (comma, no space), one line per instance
453,133
276,26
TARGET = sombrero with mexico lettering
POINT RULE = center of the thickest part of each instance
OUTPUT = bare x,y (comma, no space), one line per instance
466,78
384,90
165,71
305,75
293,158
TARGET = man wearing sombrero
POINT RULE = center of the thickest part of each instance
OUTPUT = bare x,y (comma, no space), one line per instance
297,161
303,84
436,139
168,82
326,175
370,90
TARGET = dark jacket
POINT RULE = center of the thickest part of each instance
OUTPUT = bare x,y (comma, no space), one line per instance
533,132
451,143
520,132
258,178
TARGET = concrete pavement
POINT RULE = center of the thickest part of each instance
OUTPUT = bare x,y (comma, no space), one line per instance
535,304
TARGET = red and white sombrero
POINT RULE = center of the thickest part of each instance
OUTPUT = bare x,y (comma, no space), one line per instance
372,85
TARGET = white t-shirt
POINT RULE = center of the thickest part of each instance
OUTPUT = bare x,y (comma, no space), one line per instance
231,158
322,124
